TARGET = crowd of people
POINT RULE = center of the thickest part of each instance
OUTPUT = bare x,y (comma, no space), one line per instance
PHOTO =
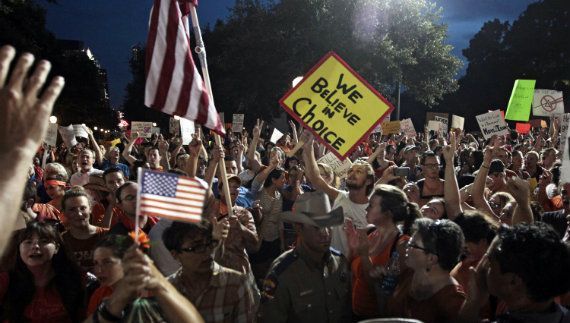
434,227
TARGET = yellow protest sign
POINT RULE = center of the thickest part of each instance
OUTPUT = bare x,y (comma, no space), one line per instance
391,127
336,104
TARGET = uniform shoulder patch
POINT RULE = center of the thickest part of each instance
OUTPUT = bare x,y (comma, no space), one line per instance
271,282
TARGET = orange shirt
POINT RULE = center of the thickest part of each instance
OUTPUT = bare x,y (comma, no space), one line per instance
98,296
364,302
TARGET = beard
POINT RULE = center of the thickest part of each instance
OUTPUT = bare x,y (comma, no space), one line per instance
355,186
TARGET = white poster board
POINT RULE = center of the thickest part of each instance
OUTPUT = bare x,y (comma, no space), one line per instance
187,129
492,123
444,123
457,122
407,127
155,130
434,126
80,131
51,135
547,102
237,122
143,128
338,167
276,135
68,136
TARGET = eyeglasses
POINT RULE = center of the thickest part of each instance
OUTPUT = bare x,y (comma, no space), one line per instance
199,247
415,246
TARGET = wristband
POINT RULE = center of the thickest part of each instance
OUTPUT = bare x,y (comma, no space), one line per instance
108,316
484,166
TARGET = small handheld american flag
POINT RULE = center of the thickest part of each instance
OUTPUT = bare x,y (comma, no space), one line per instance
170,196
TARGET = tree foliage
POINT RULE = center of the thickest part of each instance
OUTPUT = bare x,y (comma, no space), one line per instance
256,53
535,46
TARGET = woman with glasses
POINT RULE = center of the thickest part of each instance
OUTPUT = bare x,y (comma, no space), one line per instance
43,283
427,291
220,294
388,208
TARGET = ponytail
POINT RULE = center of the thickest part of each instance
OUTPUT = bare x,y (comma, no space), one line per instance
413,213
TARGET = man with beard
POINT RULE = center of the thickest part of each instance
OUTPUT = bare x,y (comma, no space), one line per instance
86,160
359,181
310,283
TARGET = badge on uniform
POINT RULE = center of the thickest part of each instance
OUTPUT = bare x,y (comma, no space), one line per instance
269,287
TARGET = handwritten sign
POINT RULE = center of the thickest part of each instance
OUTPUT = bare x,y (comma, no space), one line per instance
407,127
391,127
51,135
336,104
68,136
564,121
187,129
521,100
340,168
491,123
457,122
79,131
444,123
237,123
143,128
434,126
547,102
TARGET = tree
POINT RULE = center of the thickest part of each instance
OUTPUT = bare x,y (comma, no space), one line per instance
257,52
535,46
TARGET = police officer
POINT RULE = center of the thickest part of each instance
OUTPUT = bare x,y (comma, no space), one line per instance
310,283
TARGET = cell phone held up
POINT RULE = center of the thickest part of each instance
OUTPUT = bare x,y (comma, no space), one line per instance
402,171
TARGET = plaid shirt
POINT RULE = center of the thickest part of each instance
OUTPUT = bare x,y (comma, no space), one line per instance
228,298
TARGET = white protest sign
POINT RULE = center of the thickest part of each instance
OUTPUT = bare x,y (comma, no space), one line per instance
68,136
565,169
444,123
564,119
457,122
434,125
174,126
79,130
407,127
276,135
492,123
237,123
51,135
187,129
338,167
143,128
155,130
547,102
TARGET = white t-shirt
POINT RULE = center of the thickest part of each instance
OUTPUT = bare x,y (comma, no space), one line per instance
353,211
158,253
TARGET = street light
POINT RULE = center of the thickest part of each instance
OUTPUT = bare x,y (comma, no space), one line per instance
154,124
53,119
94,128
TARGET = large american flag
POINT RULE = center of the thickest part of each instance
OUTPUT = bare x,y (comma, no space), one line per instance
171,196
173,84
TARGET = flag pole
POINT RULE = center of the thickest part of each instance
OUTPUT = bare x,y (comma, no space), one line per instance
201,51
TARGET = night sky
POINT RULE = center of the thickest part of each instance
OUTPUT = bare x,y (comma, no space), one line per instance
111,27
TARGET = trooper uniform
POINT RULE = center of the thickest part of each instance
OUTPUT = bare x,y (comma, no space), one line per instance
297,289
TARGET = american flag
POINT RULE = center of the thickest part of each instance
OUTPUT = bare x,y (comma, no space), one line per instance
173,84
171,196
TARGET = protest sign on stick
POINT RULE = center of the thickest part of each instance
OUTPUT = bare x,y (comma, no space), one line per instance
336,104
520,101
51,135
187,129
143,128
547,102
491,123
444,123
434,126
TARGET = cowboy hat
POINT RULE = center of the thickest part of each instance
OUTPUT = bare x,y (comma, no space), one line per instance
314,208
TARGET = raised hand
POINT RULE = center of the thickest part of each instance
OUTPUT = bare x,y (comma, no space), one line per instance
24,108
257,128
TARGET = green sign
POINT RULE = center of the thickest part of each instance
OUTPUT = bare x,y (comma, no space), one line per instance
521,100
